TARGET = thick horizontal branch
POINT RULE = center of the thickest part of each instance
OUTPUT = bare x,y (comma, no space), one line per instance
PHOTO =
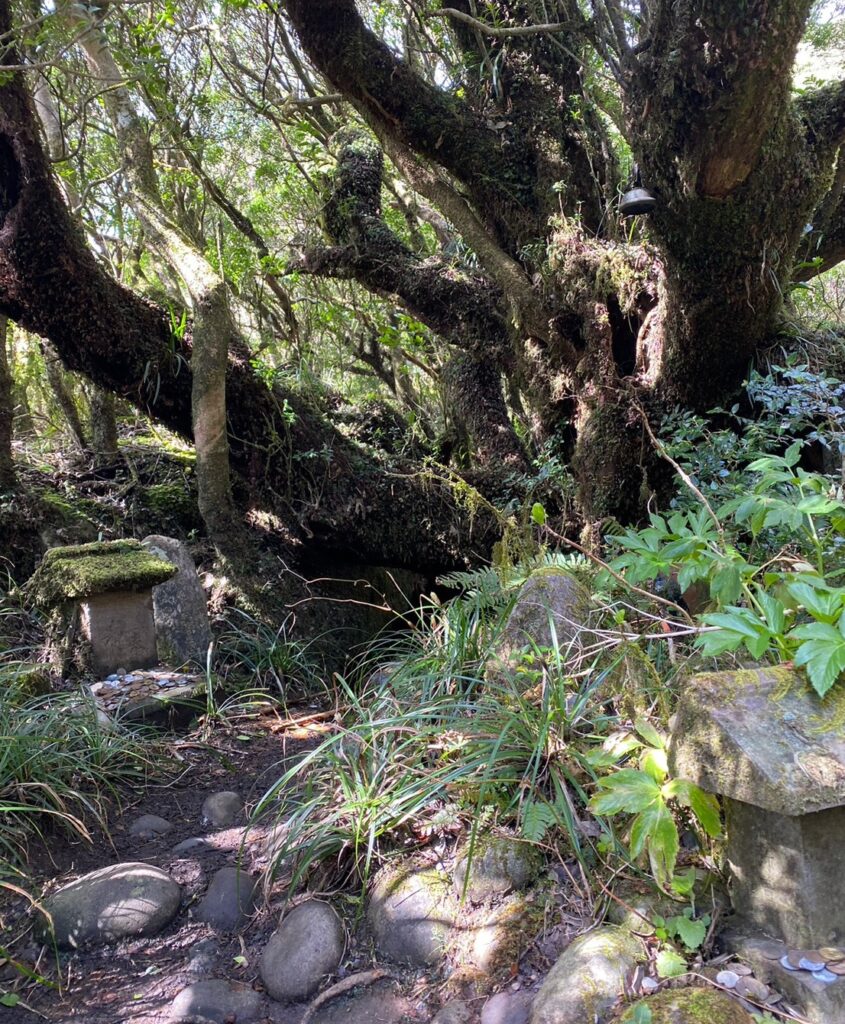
823,111
461,309
398,102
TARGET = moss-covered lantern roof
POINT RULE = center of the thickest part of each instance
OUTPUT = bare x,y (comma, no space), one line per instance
85,570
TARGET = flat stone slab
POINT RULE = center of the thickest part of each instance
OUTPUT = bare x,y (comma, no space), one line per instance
136,695
760,736
112,903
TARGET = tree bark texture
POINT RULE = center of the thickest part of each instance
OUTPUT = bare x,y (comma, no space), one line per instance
7,412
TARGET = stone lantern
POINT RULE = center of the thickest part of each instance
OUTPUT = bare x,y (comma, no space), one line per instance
774,752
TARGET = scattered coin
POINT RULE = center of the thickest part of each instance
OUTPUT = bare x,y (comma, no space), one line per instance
751,988
727,979
785,962
832,953
649,984
826,976
837,968
811,962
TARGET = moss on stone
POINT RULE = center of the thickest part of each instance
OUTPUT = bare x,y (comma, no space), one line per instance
84,570
690,1006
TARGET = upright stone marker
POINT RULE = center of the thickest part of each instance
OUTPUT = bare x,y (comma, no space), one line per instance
181,616
775,752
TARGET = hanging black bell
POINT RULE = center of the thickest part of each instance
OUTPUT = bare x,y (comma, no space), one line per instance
637,200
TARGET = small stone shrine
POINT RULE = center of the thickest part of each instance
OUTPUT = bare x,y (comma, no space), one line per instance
100,604
774,752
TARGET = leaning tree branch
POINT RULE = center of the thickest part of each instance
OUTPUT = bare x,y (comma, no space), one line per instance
398,102
826,243
823,112
328,492
463,308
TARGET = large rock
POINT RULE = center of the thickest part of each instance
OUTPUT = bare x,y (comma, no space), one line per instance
411,913
690,1006
229,901
496,865
181,615
305,949
551,611
588,978
217,1002
113,903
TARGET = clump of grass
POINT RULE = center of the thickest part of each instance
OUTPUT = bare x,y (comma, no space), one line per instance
60,769
267,655
427,744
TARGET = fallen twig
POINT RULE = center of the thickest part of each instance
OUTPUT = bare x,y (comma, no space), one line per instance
342,987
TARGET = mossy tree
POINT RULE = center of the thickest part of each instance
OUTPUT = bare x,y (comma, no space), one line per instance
593,329
7,413
513,135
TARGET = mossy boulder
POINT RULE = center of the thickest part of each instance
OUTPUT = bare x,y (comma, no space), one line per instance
411,913
495,865
551,612
588,978
26,679
689,1006
167,506
86,570
638,905
489,940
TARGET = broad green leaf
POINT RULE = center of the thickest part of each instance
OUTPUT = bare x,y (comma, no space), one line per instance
538,514
822,654
726,584
705,806
821,602
670,964
690,932
626,790
736,626
654,762
773,610
649,733
616,747
663,844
